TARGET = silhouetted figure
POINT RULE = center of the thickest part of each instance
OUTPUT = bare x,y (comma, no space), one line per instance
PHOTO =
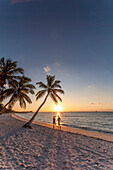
59,120
54,121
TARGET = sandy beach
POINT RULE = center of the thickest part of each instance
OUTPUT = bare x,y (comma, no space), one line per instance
51,149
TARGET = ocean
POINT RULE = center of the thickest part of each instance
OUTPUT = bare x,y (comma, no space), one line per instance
93,121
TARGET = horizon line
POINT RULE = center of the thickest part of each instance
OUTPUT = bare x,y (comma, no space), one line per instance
65,111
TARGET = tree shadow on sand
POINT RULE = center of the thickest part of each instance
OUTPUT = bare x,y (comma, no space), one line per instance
12,133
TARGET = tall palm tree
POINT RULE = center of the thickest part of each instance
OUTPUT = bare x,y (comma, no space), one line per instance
8,72
19,91
51,89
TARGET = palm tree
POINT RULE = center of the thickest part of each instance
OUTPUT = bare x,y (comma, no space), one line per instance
18,91
1,105
8,72
51,89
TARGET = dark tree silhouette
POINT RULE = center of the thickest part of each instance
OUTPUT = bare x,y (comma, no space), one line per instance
19,91
50,89
8,72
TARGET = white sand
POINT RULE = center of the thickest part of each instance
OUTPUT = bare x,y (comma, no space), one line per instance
47,149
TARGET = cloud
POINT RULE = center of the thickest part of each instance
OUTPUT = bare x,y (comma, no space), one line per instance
96,103
92,103
19,1
57,64
91,86
99,103
47,69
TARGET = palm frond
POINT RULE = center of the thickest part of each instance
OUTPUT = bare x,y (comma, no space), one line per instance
12,83
12,101
30,86
8,92
22,102
56,95
17,70
56,84
27,98
41,85
31,91
53,98
16,77
2,61
59,91
10,65
23,90
40,94
24,79
50,80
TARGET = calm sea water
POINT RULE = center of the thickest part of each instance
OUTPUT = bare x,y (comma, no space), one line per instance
93,121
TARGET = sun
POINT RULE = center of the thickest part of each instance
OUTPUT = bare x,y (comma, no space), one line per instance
58,108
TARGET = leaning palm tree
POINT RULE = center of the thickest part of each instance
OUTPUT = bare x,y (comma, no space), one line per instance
51,89
19,91
8,72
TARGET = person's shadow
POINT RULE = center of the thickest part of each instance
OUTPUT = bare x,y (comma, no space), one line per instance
55,151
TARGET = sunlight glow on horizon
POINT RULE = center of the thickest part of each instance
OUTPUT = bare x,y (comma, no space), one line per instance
58,108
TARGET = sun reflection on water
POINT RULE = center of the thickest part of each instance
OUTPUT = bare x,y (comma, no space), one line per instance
57,115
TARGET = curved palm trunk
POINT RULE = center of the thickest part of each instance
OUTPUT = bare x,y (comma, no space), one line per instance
1,93
4,107
28,124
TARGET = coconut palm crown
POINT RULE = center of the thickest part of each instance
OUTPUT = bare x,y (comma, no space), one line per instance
19,91
50,89
8,71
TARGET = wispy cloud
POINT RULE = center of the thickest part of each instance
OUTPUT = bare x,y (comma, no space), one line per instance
19,1
91,86
47,69
57,64
92,103
99,103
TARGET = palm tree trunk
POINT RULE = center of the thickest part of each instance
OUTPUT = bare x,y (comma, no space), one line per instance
1,93
28,124
4,107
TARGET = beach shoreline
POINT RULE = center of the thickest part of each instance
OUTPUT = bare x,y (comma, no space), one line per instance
98,135
45,148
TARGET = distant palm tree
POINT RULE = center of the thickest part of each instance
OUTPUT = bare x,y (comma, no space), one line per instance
19,91
8,72
51,89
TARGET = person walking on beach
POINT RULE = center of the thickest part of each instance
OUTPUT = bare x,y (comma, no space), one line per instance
59,120
54,121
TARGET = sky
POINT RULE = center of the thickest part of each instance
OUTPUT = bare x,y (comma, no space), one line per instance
71,39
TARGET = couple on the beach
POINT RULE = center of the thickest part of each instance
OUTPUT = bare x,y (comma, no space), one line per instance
58,121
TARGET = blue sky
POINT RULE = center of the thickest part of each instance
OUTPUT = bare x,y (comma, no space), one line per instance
71,38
